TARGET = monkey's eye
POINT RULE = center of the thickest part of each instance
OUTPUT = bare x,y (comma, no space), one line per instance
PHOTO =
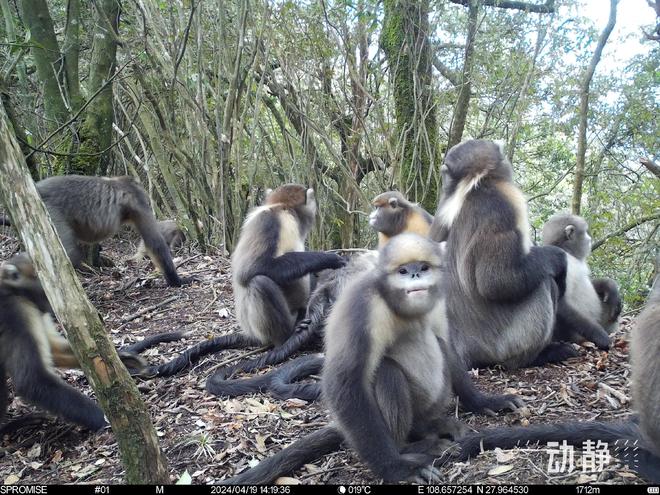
425,267
403,271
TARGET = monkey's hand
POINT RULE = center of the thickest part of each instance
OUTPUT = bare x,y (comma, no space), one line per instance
491,404
135,364
335,261
412,468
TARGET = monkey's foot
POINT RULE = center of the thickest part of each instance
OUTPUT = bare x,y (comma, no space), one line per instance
492,404
555,352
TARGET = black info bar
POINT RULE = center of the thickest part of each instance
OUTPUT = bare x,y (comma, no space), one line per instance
324,489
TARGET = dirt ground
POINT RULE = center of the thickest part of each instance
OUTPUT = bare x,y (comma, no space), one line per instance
212,439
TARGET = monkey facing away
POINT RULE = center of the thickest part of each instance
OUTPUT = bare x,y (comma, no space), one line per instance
582,314
392,215
501,291
385,377
30,347
636,441
86,209
172,234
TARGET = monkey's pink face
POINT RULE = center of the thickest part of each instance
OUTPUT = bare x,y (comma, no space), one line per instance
416,286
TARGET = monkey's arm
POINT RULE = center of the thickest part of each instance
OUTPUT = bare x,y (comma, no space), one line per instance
570,322
293,265
512,275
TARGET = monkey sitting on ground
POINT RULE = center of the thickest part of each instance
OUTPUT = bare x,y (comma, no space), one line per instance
172,234
610,301
87,209
581,313
636,441
501,291
385,377
270,275
30,347
392,215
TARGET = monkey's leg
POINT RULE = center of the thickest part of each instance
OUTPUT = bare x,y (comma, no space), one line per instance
571,322
40,386
307,449
555,352
293,265
156,247
67,237
268,318
4,394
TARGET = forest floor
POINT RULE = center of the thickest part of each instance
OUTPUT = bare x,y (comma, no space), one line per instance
212,438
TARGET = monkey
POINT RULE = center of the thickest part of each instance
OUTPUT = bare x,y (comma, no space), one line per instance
392,215
610,301
86,209
171,233
270,275
30,348
385,375
636,441
500,291
580,313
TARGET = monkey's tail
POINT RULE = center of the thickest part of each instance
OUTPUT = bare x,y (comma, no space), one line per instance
236,340
152,341
303,451
622,439
279,382
303,335
282,382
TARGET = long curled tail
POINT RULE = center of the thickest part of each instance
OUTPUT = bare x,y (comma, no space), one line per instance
623,440
303,451
279,382
236,340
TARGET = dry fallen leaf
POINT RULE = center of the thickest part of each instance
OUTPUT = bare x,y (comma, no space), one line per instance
503,456
285,480
12,479
496,471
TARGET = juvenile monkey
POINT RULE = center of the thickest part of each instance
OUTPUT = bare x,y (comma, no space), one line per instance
501,291
394,214
386,377
610,301
86,209
172,234
581,312
636,441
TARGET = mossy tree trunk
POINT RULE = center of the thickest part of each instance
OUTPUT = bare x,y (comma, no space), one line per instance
405,42
114,388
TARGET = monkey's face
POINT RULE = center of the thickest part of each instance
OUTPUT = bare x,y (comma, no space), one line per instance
388,214
413,288
18,271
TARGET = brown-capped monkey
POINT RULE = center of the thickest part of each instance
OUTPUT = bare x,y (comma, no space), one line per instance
392,215
31,347
581,313
270,274
636,441
385,377
501,291
86,209
172,234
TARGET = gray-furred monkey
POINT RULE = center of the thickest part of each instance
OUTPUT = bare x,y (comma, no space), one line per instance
270,266
636,441
172,234
582,313
501,291
87,209
386,377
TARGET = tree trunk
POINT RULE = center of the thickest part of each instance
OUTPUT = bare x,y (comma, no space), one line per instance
47,58
465,89
584,110
96,131
114,388
406,44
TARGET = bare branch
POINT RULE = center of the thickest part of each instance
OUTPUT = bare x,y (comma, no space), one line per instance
653,167
546,8
624,229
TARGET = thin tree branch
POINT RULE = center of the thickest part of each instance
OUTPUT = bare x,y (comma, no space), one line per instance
624,229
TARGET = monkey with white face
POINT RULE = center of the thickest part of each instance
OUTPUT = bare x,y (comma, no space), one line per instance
386,374
582,313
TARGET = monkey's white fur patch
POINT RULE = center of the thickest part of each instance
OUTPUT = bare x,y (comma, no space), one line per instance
290,238
579,288
40,326
452,208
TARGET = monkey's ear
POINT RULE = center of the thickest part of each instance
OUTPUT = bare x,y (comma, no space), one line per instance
393,202
310,195
569,231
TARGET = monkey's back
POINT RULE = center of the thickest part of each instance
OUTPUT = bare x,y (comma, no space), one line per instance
94,207
645,358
